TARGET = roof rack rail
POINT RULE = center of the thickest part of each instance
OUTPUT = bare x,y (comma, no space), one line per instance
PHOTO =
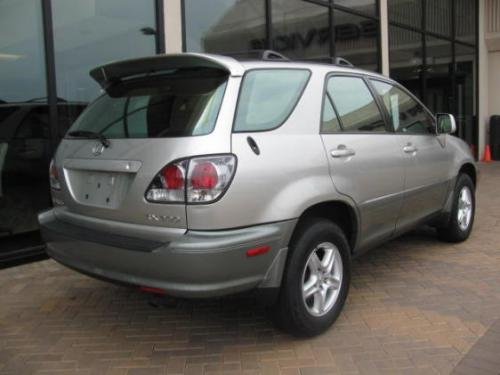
339,61
259,54
342,62
270,55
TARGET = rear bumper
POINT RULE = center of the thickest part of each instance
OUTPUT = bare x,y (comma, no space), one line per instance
189,264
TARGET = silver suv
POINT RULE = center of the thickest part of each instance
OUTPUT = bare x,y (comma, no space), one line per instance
201,175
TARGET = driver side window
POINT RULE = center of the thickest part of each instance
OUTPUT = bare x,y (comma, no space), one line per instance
406,114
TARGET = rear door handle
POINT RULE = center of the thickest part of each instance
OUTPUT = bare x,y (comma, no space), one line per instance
410,149
342,152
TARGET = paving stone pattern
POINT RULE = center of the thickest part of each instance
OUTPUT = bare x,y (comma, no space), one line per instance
416,306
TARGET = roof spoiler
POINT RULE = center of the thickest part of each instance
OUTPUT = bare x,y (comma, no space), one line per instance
114,72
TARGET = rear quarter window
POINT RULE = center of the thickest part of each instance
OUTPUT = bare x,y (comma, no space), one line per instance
267,98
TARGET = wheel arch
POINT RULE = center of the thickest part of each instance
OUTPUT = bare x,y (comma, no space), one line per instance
339,212
470,170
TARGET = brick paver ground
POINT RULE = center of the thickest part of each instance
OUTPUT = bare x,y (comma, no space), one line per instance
416,306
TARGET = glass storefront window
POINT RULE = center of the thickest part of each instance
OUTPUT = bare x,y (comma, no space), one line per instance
356,39
439,68
406,58
444,82
465,103
22,59
88,33
406,12
438,16
300,29
368,7
466,20
224,25
24,122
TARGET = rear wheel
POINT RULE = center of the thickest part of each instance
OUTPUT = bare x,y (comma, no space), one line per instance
316,279
461,220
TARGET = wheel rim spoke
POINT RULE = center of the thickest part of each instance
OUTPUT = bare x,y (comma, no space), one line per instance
315,263
319,301
322,279
310,287
464,211
333,283
328,260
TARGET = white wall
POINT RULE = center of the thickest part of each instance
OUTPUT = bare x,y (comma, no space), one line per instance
173,26
489,65
494,83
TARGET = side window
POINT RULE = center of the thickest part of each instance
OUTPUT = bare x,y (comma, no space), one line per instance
329,120
407,115
267,97
355,105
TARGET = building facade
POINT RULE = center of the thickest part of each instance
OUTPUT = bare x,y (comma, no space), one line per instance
447,52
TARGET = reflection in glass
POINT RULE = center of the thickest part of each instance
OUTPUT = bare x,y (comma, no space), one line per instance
24,123
466,110
406,114
356,39
406,58
329,120
466,20
368,7
180,104
22,60
88,33
439,93
407,12
438,16
300,29
267,98
225,25
355,105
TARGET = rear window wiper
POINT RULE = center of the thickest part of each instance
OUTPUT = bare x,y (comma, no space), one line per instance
91,135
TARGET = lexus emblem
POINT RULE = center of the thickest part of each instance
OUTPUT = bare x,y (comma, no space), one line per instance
97,149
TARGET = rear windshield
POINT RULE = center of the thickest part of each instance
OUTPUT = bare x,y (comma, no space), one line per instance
177,103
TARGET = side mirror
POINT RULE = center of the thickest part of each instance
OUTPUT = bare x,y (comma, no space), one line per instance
446,123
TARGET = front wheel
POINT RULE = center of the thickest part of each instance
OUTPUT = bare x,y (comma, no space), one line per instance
316,280
462,214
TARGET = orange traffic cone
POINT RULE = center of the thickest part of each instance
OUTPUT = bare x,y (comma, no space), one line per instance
487,154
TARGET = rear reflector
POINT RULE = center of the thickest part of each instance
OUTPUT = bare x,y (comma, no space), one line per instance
149,289
258,251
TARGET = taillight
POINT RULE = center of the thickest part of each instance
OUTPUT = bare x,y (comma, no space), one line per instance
173,176
169,184
54,176
204,176
195,180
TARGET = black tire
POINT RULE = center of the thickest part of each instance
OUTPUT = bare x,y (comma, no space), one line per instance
290,312
453,232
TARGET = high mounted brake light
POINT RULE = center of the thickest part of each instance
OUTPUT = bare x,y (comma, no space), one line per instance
194,180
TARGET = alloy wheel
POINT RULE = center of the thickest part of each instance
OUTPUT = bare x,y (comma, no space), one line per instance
322,279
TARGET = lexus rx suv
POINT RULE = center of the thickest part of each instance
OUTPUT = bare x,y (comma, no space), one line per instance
202,175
